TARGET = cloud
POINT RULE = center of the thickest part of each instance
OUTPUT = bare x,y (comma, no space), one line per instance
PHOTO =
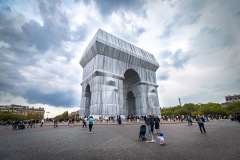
175,59
32,55
63,99
163,75
107,7
195,42
179,20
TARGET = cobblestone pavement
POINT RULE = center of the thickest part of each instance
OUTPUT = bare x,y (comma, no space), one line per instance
120,142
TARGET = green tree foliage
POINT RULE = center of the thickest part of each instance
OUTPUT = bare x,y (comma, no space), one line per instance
206,109
166,112
62,116
190,107
4,116
211,109
35,116
233,108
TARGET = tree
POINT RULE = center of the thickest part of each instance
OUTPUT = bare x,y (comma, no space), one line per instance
233,108
35,116
4,116
190,107
212,109
181,111
167,112
62,116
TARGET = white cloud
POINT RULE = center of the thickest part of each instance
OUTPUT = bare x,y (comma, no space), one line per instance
4,44
195,42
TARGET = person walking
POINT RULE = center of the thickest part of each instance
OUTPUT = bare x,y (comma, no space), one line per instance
84,122
42,121
29,123
73,122
200,121
69,122
189,119
90,124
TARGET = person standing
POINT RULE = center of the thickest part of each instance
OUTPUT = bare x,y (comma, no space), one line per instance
148,123
55,123
152,118
119,119
33,123
84,122
200,121
161,139
42,121
238,117
90,123
157,121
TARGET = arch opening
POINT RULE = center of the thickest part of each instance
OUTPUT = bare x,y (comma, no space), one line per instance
88,100
131,78
131,104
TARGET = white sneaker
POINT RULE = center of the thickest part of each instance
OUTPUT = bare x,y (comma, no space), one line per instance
89,132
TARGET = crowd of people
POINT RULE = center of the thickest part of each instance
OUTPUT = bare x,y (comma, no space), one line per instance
151,121
17,125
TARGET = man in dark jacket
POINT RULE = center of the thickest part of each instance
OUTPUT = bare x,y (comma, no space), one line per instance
200,121
148,123
152,123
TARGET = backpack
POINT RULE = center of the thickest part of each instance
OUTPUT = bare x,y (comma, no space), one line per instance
203,119
90,121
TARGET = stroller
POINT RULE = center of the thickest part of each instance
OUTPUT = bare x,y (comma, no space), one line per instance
142,133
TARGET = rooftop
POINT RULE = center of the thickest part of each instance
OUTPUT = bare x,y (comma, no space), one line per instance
106,44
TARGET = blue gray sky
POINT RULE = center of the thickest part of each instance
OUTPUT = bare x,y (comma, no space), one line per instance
196,43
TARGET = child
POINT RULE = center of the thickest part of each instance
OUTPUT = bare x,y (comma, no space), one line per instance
161,139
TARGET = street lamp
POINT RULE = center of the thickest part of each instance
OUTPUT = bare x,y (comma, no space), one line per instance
47,114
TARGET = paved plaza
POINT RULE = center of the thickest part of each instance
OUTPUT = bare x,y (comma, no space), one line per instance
120,142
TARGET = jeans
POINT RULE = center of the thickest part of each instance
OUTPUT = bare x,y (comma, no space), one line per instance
149,129
189,122
84,124
152,127
201,126
90,127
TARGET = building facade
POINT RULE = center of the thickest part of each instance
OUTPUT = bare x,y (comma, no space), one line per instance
118,78
22,110
230,99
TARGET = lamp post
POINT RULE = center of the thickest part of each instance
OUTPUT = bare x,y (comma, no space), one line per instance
47,116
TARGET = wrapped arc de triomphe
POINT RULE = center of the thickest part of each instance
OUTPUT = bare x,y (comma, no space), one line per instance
118,78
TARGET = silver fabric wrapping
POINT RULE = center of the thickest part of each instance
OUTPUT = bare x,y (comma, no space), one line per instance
118,78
